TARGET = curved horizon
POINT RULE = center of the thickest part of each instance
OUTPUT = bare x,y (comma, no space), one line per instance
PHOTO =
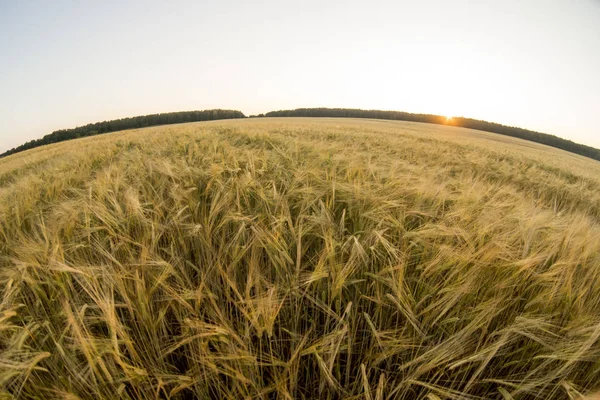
143,121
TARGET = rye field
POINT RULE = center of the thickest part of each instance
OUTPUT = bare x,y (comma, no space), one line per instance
299,259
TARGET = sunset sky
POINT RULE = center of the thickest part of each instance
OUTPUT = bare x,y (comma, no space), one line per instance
532,64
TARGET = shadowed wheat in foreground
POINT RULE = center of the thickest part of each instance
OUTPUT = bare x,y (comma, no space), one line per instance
299,259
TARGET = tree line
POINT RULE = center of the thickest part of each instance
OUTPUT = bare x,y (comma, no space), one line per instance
493,127
207,115
126,123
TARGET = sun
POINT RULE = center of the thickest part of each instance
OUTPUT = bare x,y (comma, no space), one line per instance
448,117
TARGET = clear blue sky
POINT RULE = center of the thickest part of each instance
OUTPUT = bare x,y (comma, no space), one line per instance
533,64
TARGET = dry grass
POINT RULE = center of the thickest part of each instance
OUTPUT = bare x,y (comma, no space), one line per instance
299,259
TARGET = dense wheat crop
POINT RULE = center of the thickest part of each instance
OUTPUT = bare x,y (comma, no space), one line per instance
299,258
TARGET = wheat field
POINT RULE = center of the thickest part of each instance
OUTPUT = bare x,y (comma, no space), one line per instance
299,258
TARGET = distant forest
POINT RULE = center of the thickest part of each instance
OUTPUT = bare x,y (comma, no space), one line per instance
207,115
127,123
526,134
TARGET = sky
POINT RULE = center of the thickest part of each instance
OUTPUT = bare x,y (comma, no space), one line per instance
527,63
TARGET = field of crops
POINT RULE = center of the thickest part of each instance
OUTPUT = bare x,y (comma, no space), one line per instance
299,258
